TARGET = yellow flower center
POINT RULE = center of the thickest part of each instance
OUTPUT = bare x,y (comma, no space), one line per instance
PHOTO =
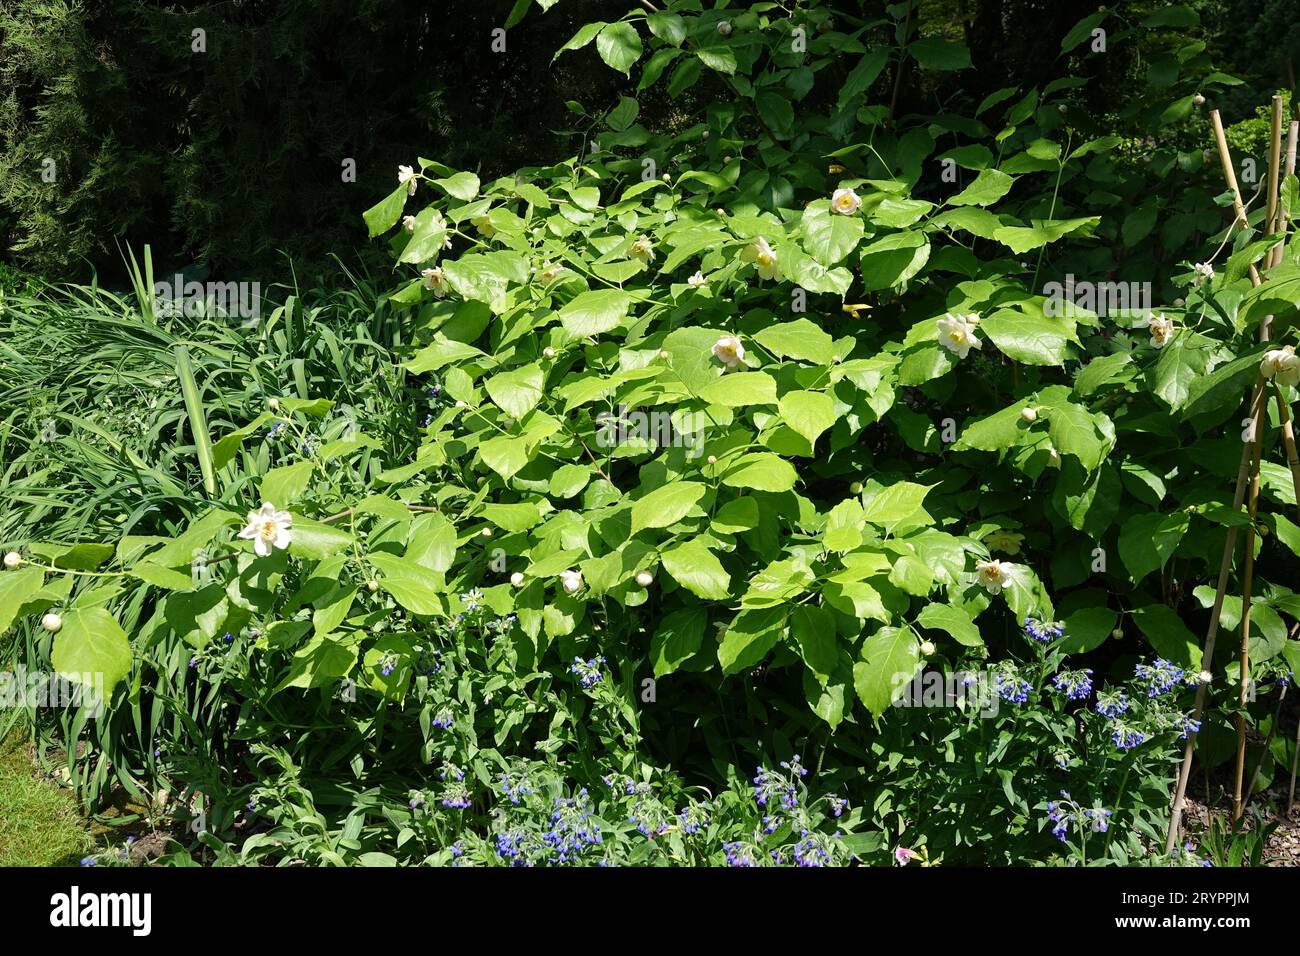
269,530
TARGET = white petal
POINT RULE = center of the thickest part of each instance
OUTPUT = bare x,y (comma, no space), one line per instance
261,546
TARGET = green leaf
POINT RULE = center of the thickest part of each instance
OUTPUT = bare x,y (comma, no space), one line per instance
737,389
761,471
517,391
694,567
384,214
1087,628
800,339
463,186
1020,239
890,659
16,587
666,505
596,312
828,236
677,639
1074,431
1031,339
1001,430
91,642
1168,635
989,186
619,46
668,27
284,485
813,629
311,539
808,413
953,621
936,54
431,542
412,585
895,504
1147,541
749,638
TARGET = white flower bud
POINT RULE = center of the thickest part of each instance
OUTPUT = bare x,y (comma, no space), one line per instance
52,622
1028,414
856,488
713,459
486,533
548,352
13,559
273,404
645,578
1198,99
927,648
572,581
372,585
517,579
1117,633
724,27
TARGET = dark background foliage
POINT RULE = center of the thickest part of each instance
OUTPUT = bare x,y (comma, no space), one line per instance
230,159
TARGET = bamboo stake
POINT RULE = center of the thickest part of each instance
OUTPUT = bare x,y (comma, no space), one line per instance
1230,541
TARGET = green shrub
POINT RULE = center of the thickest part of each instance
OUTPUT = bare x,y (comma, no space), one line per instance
687,455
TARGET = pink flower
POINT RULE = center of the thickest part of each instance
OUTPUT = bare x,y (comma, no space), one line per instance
903,855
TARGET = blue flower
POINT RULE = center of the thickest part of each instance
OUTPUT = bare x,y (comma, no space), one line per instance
589,673
1043,631
1160,676
1126,737
1012,689
1075,685
1111,703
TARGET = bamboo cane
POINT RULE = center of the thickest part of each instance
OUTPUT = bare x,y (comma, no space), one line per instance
1230,541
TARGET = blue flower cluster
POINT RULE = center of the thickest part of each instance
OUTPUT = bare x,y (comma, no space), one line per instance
444,718
573,829
741,854
1111,703
1043,631
1075,685
589,672
1160,676
1126,737
514,786
1012,689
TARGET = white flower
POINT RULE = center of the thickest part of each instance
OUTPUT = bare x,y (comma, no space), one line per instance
729,351
1203,271
927,648
572,581
645,578
957,333
643,249
1282,364
408,223
268,529
724,27
697,280
484,226
1205,677
517,579
13,559
1003,540
993,575
52,622
405,174
1161,328
763,257
434,281
1029,414
845,202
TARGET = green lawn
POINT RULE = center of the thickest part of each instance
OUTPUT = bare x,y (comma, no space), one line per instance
39,823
